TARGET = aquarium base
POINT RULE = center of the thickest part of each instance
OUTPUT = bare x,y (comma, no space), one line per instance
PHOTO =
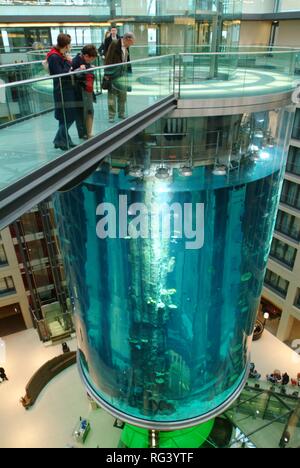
161,425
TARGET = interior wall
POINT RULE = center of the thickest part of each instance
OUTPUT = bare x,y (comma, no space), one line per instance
295,331
255,32
288,33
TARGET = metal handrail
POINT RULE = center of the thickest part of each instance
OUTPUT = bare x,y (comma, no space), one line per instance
296,49
9,65
143,60
63,75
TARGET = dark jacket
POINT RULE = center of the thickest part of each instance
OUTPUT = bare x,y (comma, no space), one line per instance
83,80
58,64
105,45
118,75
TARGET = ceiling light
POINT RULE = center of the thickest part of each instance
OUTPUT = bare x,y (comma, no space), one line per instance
162,173
186,171
264,155
219,171
136,171
255,156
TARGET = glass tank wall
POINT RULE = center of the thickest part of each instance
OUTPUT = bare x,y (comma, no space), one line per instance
166,246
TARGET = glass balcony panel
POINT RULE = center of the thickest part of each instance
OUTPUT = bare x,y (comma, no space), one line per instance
283,252
288,225
27,109
276,283
27,112
291,194
236,74
293,163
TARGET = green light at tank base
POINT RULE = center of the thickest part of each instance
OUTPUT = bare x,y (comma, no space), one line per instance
194,437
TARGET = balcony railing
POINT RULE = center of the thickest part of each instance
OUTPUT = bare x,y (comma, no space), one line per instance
293,233
291,200
293,168
30,104
7,292
275,288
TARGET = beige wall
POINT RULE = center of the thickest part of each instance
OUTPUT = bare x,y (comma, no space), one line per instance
13,270
255,32
289,33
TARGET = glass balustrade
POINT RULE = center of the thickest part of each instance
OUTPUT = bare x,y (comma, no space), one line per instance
237,74
27,111
27,108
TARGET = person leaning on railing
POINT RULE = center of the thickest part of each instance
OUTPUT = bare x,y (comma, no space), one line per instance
59,62
84,90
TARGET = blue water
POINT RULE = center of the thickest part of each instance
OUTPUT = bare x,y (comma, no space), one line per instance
165,332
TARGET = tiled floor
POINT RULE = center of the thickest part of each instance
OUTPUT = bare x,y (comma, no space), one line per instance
50,423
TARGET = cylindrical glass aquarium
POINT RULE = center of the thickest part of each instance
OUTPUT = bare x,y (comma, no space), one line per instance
165,251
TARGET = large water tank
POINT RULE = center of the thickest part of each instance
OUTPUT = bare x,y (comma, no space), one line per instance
166,262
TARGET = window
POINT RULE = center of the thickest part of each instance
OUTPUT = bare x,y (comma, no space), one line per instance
37,250
6,286
291,194
297,300
276,283
293,164
31,223
288,225
3,259
296,129
283,252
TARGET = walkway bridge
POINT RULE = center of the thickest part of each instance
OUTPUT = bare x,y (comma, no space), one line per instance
176,85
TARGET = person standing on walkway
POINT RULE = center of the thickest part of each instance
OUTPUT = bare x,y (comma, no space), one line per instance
84,90
117,77
59,62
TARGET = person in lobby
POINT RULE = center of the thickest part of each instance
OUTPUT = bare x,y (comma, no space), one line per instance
285,379
110,37
117,77
3,375
59,62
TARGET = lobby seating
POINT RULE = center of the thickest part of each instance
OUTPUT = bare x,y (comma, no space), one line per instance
44,375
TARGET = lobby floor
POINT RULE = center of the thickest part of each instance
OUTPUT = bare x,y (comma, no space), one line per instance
51,421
